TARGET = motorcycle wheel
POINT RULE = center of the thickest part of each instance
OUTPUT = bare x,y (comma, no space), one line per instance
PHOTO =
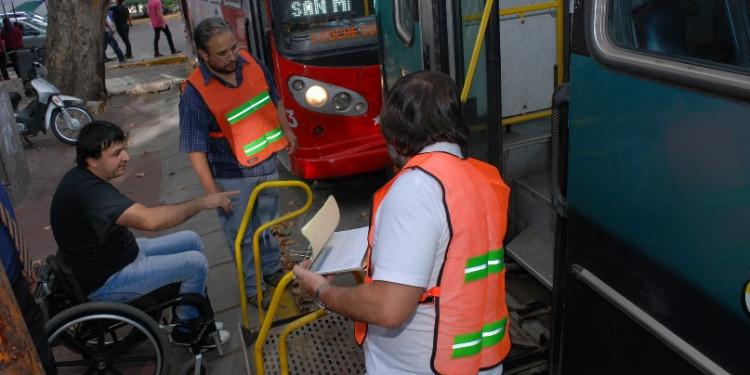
65,130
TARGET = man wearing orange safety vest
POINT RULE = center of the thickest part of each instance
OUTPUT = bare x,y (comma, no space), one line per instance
232,123
433,300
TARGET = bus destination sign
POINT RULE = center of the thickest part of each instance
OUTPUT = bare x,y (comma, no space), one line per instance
317,8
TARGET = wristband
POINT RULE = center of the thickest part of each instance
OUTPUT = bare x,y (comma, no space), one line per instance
318,292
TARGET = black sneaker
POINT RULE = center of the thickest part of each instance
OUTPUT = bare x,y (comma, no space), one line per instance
275,278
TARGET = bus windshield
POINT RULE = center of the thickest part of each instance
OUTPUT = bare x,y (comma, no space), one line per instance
315,26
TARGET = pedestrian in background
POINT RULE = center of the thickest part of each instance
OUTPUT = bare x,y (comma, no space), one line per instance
159,24
109,39
433,300
242,155
12,39
121,18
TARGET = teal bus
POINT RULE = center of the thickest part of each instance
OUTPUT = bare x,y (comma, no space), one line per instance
622,128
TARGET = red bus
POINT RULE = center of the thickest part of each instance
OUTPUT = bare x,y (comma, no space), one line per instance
324,57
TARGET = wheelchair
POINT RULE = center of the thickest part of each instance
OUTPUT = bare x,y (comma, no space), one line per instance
99,337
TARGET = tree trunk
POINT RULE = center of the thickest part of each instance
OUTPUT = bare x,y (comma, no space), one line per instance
75,47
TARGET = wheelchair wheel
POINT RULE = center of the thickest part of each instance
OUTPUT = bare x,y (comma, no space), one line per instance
107,337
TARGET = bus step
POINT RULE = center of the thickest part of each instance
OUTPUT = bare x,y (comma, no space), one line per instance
533,249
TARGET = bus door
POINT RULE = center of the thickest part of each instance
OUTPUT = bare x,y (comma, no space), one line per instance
256,26
506,100
415,36
418,35
656,251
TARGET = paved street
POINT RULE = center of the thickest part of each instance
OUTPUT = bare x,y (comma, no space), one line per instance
142,40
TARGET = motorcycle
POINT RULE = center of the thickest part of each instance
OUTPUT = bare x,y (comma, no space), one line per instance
65,114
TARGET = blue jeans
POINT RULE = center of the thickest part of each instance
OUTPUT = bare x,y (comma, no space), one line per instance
110,39
161,261
266,209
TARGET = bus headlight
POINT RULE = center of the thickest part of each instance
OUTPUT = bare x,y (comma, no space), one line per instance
341,101
312,95
316,96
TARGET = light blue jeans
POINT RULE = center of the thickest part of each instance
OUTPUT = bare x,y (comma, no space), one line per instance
161,261
266,209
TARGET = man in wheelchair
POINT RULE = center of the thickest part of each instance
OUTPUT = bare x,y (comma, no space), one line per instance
90,221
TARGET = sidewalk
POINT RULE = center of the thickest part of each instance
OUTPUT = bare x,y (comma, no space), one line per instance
156,174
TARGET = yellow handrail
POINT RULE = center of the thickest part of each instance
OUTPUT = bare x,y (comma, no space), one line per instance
256,242
477,48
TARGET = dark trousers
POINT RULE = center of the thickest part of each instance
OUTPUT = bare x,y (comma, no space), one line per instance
123,30
4,64
32,314
157,31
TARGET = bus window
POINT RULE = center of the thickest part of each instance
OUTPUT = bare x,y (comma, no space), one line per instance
694,31
312,26
699,45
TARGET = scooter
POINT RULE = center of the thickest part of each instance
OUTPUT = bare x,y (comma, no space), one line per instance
65,114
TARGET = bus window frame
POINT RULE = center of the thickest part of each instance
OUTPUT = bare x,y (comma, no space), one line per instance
661,68
405,34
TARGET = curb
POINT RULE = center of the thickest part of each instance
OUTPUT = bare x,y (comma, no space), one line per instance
148,81
173,59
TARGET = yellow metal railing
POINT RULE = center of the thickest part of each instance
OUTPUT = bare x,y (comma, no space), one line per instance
256,242
521,12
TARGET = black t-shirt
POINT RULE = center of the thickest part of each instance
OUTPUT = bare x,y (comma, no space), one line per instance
119,14
83,214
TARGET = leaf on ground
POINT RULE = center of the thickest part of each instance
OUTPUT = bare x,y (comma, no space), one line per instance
285,242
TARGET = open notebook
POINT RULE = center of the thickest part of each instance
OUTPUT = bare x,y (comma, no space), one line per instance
334,252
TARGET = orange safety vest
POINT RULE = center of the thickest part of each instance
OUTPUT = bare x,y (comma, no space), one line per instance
471,328
250,126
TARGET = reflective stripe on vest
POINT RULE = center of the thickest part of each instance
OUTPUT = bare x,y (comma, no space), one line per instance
471,331
472,343
250,126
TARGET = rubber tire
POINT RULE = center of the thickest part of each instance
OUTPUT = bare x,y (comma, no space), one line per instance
142,325
80,113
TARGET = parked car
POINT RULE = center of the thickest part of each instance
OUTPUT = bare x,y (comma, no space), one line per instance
20,15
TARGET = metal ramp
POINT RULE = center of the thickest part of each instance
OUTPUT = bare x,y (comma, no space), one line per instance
324,346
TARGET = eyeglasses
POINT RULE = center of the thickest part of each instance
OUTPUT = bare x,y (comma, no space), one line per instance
227,55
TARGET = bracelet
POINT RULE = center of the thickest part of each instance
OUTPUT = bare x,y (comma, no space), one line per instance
318,292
